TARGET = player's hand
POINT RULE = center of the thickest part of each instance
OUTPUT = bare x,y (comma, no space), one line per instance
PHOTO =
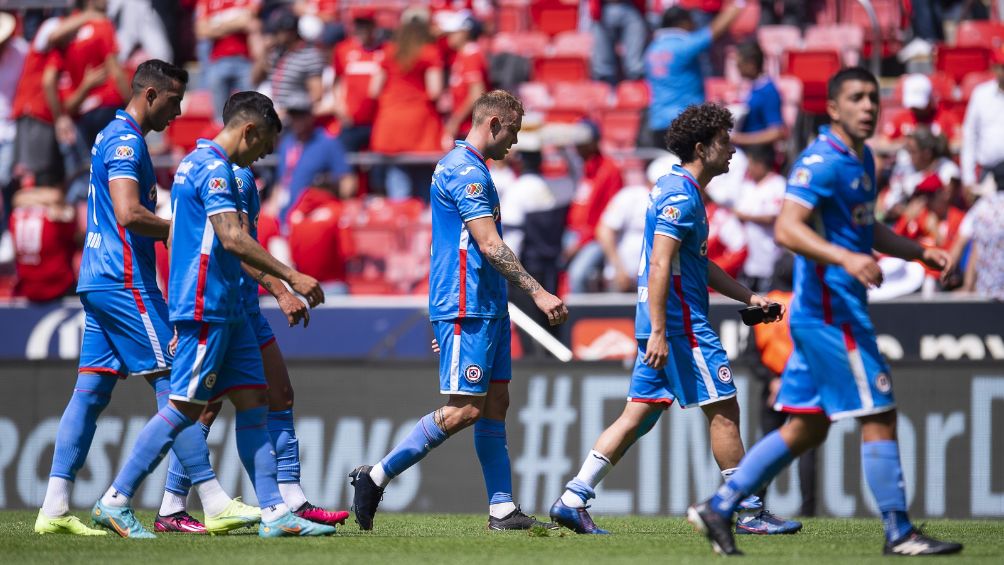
435,346
864,268
172,346
939,260
66,131
656,352
552,306
773,387
308,287
757,300
294,309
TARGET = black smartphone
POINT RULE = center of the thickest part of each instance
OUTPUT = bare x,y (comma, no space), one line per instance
754,315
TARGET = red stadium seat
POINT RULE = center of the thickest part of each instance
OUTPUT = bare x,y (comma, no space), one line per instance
560,69
185,130
747,22
619,129
814,69
774,41
957,62
849,39
890,16
979,34
527,43
535,95
512,17
718,89
971,81
588,95
573,43
554,16
942,85
632,95
198,104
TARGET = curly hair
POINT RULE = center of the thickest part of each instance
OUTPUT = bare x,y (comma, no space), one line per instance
697,124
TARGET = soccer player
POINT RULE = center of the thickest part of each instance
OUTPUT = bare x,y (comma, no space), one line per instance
679,355
468,306
836,370
173,515
126,329
217,353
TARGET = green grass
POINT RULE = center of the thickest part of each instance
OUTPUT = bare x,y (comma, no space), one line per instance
447,539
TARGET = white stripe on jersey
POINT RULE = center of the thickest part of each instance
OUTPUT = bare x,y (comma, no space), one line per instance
208,235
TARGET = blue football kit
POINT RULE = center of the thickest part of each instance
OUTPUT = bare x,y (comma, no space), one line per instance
697,370
250,204
468,304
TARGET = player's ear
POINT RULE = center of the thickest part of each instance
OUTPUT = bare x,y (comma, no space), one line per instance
150,94
831,110
700,151
496,125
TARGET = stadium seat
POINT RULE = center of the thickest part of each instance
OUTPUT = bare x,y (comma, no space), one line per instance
589,95
512,17
747,22
849,39
943,87
957,62
527,43
560,69
890,17
774,41
573,43
554,16
535,95
619,129
632,95
185,130
790,89
197,104
814,69
718,89
979,34
971,81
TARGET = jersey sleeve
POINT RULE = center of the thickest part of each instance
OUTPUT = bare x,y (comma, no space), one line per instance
338,164
696,43
122,156
469,192
809,181
215,188
675,216
772,107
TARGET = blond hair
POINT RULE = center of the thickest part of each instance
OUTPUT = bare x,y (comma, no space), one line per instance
496,103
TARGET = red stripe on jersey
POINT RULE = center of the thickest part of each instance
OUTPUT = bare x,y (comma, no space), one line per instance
849,338
463,283
200,287
126,258
827,306
687,327
139,301
475,152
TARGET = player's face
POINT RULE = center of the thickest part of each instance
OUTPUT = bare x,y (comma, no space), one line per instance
166,106
504,134
856,109
719,154
259,141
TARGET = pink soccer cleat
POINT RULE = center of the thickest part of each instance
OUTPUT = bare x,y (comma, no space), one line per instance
321,516
178,523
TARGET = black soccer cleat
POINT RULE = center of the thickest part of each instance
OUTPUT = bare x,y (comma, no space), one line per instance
916,543
718,530
517,520
366,498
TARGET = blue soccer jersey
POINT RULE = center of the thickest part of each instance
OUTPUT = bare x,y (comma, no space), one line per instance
462,284
839,188
205,280
113,257
676,210
250,204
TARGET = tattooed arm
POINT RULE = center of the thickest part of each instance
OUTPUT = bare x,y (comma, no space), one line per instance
498,254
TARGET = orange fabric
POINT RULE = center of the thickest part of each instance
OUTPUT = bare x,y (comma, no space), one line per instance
235,44
601,181
406,119
355,66
29,98
94,42
317,242
773,341
942,234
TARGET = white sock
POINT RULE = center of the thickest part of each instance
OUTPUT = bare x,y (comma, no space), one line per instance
214,498
273,513
594,468
292,495
57,497
501,510
726,473
572,500
379,476
173,503
114,498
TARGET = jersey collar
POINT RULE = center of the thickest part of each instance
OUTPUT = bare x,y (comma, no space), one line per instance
215,147
834,141
125,117
681,172
471,148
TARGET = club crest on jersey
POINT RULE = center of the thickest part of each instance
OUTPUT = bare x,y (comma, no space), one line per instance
475,189
210,381
725,374
671,213
218,184
473,374
240,184
124,152
801,177
883,384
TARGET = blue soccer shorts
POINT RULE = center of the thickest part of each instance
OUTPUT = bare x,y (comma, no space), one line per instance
837,370
697,372
214,358
263,331
473,352
126,332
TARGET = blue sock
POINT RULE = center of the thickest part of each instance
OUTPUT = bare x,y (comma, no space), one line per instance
255,450
881,466
287,447
760,465
151,446
76,428
424,437
493,454
580,488
178,480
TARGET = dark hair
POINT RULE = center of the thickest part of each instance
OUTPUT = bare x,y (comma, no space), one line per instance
676,16
762,153
750,51
927,140
697,124
251,106
158,74
843,75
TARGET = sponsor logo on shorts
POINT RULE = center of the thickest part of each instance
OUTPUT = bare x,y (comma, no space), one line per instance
725,374
475,189
473,374
218,184
800,177
496,214
704,248
152,195
124,152
883,383
210,381
671,213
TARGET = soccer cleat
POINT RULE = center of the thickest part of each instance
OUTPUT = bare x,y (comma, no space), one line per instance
67,524
122,521
575,519
916,543
366,498
517,520
235,516
179,523
765,523
327,517
291,525
718,530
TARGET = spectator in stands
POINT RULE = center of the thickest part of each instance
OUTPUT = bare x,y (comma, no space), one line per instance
232,26
318,244
140,27
929,217
927,161
356,60
758,206
327,10
293,67
621,235
919,109
468,72
45,238
618,22
672,69
309,156
983,128
792,13
13,51
406,87
726,236
985,267
762,123
600,180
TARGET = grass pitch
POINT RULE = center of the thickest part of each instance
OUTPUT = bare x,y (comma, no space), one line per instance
447,539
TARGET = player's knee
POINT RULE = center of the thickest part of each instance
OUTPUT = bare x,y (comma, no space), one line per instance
210,412
464,417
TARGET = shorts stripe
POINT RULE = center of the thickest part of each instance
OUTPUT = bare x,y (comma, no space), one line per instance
702,366
193,380
858,368
455,359
666,401
464,240
151,334
99,370
796,410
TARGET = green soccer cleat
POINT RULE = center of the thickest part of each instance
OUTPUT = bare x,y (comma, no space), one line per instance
291,525
122,521
67,524
235,516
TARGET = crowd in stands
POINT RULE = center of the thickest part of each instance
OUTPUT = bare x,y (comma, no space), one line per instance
373,93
